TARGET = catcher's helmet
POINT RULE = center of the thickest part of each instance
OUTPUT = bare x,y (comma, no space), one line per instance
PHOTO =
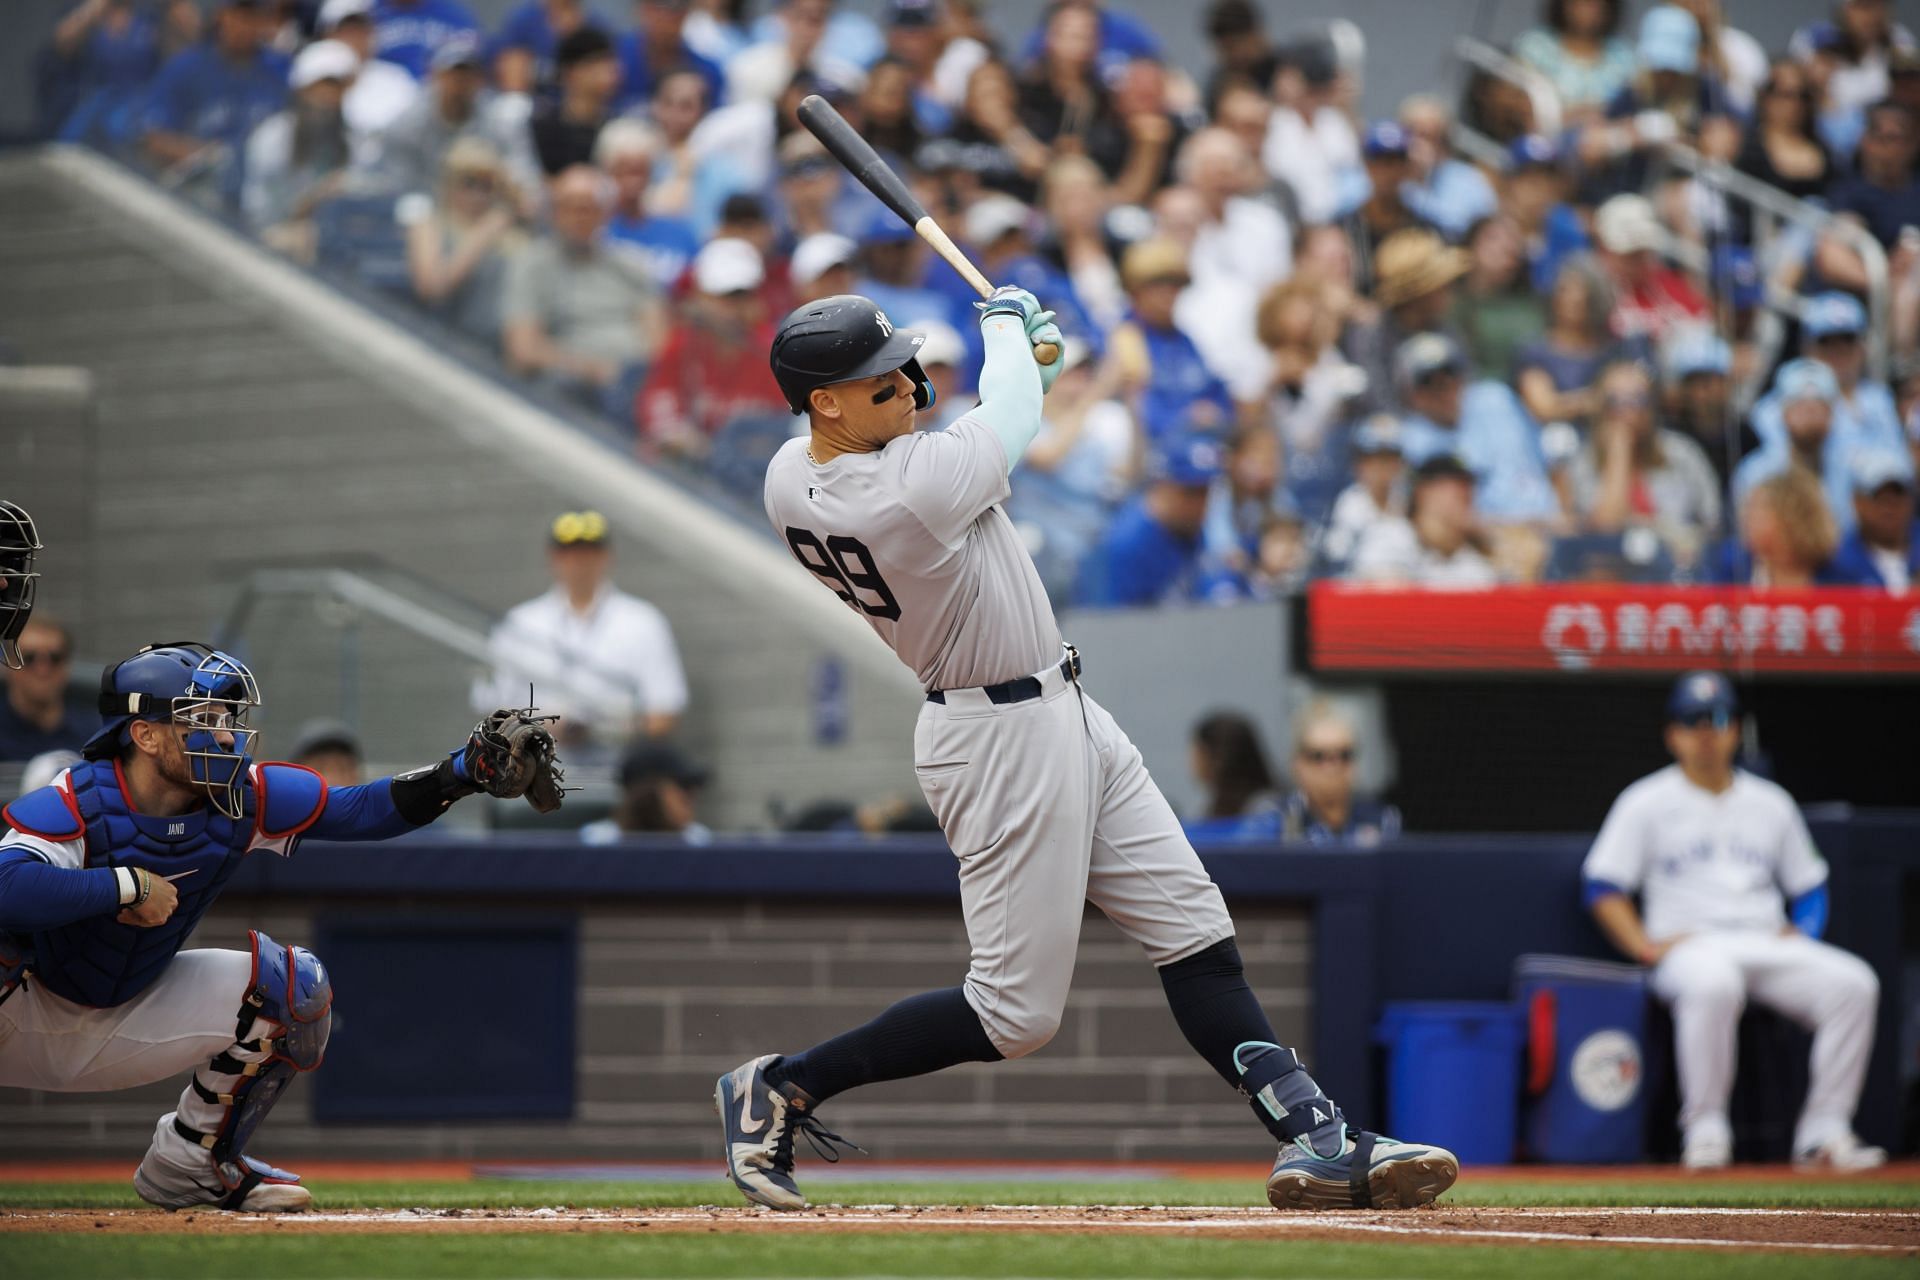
839,339
19,540
192,685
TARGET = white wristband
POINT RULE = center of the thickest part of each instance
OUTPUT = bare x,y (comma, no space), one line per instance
129,884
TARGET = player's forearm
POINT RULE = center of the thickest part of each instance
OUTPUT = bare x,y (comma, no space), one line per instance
1010,390
1615,914
34,895
364,812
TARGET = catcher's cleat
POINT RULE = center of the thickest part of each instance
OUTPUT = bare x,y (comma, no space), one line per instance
257,1187
757,1124
1368,1172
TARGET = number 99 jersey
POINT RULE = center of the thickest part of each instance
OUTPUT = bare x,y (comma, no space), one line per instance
913,538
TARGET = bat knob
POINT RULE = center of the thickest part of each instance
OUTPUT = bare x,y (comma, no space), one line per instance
1046,352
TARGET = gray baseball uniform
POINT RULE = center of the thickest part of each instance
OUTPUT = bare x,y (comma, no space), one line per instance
1045,802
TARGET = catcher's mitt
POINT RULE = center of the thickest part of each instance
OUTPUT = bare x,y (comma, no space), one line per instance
511,753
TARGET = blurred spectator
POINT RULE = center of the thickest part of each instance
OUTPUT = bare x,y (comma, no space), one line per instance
524,45
656,46
798,36
1533,192
1384,150
1416,277
988,148
1581,53
107,52
209,97
1558,372
1796,423
41,770
1882,194
1244,499
1884,548
1634,473
588,71
1782,147
810,188
627,151
601,659
1650,297
575,314
1481,425
713,366
1859,41
36,716
888,815
1323,258
1227,760
381,91
330,749
1443,191
298,157
918,33
1435,545
1241,50
1118,38
1727,54
1154,131
1077,469
1377,492
1310,389
1834,327
1669,99
1497,311
1311,144
1159,368
693,178
896,261
1150,554
1240,247
1077,200
459,245
999,229
1323,809
659,795
1787,536
1699,394
885,110
411,32
410,155
822,265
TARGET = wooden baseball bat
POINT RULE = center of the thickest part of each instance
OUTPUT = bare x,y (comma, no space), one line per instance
877,176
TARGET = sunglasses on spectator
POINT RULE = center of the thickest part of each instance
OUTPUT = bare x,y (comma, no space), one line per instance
1638,400
476,181
1836,339
44,657
1339,755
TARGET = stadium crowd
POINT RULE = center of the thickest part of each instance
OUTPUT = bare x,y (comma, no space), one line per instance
1301,342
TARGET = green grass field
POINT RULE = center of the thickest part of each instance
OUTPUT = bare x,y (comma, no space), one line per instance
652,1252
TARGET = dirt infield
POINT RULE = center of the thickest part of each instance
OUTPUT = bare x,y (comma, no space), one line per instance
1867,1232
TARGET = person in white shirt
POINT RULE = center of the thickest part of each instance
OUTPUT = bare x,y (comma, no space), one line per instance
1434,546
381,90
1734,897
1376,493
1240,247
603,660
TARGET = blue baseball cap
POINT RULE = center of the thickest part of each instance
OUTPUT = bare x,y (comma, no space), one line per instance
1384,138
1827,314
1669,39
1703,695
1736,274
1193,459
1697,349
1378,434
1423,355
1533,151
1804,379
1872,470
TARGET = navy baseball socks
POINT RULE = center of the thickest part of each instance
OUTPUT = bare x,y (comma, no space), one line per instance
764,1103
1324,1163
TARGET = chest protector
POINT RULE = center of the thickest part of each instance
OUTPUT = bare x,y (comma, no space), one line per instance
101,962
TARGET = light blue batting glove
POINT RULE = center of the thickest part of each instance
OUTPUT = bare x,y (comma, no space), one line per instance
1048,331
1010,300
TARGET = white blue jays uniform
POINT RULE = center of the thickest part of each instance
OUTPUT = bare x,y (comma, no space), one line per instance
1717,870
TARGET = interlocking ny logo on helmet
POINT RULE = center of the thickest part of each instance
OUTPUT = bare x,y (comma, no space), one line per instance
839,339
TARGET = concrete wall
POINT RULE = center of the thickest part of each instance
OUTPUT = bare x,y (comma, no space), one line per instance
670,996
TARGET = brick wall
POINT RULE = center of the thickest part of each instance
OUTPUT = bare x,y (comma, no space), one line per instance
672,994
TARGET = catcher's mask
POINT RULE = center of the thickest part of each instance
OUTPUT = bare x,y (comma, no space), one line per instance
18,581
208,693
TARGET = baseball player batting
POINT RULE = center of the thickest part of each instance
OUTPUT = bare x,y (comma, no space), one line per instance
1043,799
104,873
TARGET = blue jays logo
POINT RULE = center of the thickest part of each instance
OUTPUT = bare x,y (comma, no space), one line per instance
1704,687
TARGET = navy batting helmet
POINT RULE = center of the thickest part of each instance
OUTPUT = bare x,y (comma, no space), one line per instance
193,685
839,339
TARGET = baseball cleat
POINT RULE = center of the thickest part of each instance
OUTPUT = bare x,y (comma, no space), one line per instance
1843,1153
758,1121
1710,1149
1369,1172
259,1188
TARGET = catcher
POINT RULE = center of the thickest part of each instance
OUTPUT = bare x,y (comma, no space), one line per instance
104,873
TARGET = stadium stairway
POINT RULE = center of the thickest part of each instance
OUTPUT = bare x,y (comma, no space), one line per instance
242,414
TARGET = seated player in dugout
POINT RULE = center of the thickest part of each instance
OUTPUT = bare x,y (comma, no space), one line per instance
1733,903
1043,799
104,874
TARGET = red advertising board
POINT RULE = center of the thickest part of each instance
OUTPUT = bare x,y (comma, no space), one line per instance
1609,627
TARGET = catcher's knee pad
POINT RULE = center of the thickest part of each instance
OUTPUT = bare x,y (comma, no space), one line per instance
291,991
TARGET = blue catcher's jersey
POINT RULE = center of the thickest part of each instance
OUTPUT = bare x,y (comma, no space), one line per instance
101,962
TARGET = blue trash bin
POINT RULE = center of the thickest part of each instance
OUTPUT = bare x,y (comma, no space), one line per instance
1586,1075
1453,1076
